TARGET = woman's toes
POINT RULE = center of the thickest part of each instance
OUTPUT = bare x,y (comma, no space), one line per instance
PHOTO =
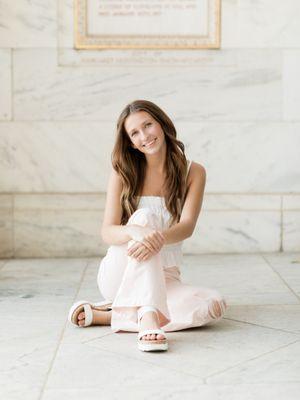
81,316
160,337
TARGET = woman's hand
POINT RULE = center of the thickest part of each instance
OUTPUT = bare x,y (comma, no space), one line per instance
140,252
152,239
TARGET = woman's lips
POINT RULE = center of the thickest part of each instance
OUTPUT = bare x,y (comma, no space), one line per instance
150,143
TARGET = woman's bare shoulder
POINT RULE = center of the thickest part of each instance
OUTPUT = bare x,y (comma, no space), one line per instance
197,170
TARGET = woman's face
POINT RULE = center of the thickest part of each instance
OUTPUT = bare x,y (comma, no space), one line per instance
145,132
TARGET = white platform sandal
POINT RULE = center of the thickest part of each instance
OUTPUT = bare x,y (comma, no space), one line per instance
86,307
150,345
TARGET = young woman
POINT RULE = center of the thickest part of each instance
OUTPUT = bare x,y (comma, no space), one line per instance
154,197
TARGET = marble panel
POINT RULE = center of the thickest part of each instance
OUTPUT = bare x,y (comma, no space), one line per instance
250,89
207,349
240,282
291,202
6,226
235,232
59,202
281,317
291,84
69,225
34,279
35,298
278,366
263,24
287,265
291,231
65,30
28,24
288,391
241,202
219,147
245,157
55,157
58,233
58,225
5,84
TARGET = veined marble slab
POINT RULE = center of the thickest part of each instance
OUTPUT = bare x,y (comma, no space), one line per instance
5,84
287,265
238,157
291,202
240,232
291,230
69,225
6,226
245,202
58,225
56,233
263,24
249,90
247,157
288,391
291,222
56,157
272,367
35,298
26,23
59,202
291,84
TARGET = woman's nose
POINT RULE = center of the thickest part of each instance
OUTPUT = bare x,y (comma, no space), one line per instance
143,135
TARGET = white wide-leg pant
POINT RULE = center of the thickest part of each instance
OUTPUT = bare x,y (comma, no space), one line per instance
129,284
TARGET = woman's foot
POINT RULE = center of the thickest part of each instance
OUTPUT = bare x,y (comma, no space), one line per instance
99,317
150,321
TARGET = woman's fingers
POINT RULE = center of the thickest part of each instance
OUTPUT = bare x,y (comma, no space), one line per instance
153,242
155,239
152,246
136,253
133,248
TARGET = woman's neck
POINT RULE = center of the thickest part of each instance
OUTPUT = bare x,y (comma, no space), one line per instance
156,162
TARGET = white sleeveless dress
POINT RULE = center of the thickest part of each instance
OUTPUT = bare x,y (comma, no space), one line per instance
171,254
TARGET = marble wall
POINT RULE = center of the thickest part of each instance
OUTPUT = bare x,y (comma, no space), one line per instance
236,109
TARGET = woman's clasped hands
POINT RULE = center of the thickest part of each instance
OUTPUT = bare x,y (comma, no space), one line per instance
148,242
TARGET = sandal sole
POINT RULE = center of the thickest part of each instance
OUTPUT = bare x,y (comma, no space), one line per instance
153,346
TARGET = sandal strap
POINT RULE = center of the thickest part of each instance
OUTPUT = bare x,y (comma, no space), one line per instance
144,309
151,331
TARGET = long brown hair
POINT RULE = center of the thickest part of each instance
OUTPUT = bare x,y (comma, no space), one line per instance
130,163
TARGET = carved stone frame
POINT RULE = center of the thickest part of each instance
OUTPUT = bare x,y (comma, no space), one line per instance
85,41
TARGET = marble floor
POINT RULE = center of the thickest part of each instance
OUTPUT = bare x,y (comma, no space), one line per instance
252,353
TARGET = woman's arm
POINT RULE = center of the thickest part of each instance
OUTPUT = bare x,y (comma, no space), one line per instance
192,206
112,232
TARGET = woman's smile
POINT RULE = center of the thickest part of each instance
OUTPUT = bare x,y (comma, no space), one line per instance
149,144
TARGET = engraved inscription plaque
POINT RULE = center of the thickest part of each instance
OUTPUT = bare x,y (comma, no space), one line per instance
147,24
